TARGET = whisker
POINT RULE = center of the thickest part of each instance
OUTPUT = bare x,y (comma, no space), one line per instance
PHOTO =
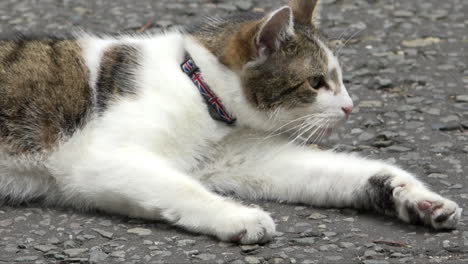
307,127
339,39
272,134
285,131
304,142
317,128
323,133
314,134
275,114
347,41
288,143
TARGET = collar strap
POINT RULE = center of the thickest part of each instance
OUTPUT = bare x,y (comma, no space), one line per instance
215,106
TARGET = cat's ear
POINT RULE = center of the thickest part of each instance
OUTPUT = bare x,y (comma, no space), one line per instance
276,28
306,12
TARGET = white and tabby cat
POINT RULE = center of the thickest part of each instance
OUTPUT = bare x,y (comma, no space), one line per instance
158,127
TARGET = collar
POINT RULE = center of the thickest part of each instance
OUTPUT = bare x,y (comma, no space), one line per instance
215,106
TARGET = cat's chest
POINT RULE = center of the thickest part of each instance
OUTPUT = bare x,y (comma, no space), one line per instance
175,126
189,140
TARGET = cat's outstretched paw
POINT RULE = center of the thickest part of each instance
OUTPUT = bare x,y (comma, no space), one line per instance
246,225
422,206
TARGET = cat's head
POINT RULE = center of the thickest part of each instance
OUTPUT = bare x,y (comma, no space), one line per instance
287,69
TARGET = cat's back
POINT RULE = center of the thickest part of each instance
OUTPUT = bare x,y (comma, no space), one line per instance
51,88
44,92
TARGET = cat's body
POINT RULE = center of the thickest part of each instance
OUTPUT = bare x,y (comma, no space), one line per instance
115,124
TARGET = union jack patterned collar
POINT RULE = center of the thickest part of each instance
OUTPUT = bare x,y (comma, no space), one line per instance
215,106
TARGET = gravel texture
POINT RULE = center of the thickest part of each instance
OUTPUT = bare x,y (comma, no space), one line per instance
405,65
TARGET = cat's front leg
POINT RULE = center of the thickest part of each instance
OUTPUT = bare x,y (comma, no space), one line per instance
396,192
271,170
136,183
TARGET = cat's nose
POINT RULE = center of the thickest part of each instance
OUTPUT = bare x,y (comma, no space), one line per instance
347,110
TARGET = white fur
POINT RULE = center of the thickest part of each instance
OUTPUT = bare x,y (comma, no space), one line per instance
159,154
328,100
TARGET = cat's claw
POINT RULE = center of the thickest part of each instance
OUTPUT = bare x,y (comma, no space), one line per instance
428,208
247,226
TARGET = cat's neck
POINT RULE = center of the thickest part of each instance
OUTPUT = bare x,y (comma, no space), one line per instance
225,83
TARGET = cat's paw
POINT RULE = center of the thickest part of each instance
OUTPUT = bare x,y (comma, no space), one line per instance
246,225
422,206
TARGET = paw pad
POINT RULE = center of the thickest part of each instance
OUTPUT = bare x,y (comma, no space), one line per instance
424,205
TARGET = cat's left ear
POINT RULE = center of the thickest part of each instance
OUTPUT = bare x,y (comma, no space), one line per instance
276,28
306,12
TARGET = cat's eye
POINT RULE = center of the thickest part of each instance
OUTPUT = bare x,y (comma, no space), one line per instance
318,82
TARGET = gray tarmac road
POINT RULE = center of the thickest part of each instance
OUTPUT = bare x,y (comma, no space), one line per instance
405,65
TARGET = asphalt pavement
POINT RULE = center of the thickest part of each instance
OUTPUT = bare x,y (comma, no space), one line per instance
405,65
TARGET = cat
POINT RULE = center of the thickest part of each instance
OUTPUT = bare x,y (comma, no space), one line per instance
165,127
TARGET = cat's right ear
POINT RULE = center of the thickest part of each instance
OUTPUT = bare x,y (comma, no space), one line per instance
275,29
